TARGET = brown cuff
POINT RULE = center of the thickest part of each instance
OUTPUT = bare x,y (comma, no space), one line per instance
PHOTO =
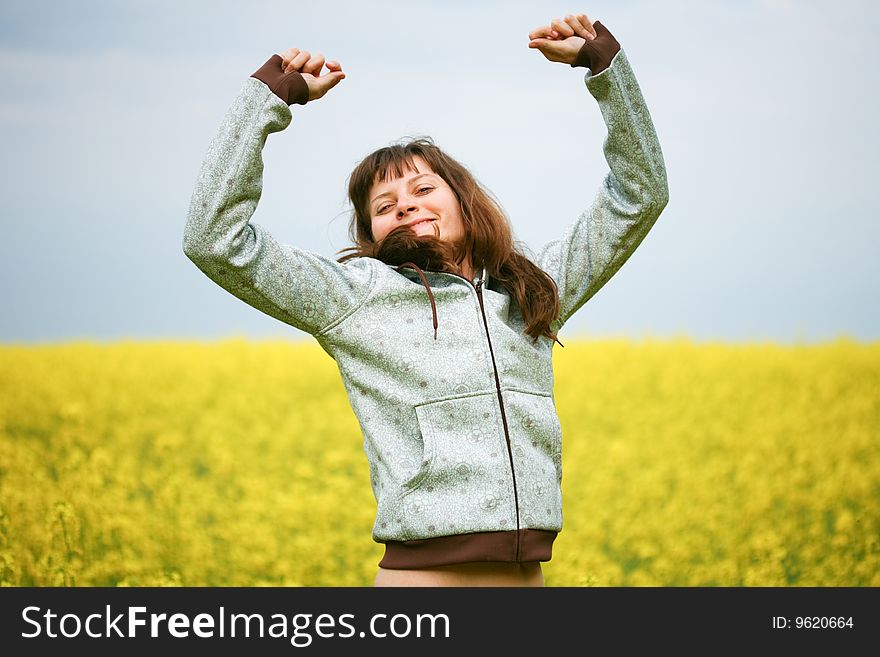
597,54
289,87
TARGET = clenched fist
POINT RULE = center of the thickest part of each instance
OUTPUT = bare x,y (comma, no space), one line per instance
562,39
576,41
295,76
309,66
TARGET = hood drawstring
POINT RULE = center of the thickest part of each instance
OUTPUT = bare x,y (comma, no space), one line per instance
483,277
421,274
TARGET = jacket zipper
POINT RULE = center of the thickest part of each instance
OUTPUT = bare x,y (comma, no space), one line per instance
479,289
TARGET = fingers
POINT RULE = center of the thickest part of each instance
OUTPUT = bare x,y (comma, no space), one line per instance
562,28
299,61
326,82
294,59
546,46
314,64
334,80
303,62
544,31
540,44
581,25
334,73
551,49
286,56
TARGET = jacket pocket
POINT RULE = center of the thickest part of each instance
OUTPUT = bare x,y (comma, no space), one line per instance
464,483
458,434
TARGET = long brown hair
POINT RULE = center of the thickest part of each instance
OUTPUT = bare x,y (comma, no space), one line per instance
488,239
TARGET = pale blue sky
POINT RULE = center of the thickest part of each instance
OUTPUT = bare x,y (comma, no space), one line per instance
766,113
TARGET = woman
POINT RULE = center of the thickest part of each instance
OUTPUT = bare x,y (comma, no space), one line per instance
442,331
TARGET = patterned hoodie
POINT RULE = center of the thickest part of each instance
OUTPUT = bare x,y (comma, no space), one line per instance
454,400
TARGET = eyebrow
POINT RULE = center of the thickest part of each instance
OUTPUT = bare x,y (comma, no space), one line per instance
421,175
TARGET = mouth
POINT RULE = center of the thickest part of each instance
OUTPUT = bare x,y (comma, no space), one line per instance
419,221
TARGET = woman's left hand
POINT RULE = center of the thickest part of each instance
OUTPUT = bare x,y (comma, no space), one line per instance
562,39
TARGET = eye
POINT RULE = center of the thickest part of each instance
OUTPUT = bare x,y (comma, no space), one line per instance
384,207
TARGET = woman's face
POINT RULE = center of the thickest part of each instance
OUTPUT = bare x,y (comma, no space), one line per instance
417,196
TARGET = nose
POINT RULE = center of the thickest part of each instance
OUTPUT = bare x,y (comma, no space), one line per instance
405,207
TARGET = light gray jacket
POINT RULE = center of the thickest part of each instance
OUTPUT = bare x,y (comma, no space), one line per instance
461,432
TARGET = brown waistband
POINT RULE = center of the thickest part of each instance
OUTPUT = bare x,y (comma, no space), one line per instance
534,545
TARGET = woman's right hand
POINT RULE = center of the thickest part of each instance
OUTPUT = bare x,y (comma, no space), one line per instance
309,66
562,39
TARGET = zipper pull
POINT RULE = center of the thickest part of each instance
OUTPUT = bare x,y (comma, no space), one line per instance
479,285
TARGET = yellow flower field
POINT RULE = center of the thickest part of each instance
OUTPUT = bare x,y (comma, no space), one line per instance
240,463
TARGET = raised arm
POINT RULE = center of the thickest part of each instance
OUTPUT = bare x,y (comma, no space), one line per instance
635,190
304,289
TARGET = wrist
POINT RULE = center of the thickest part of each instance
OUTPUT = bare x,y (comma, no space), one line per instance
289,87
596,54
